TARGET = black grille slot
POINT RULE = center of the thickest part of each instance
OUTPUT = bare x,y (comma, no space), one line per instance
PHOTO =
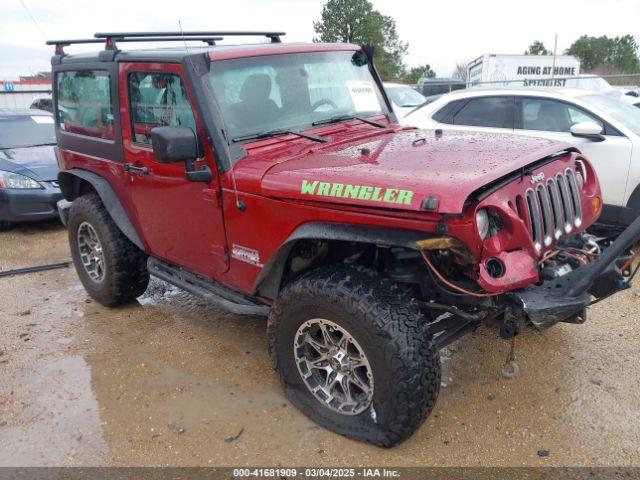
553,208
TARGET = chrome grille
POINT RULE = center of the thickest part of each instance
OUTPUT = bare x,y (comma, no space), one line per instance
552,209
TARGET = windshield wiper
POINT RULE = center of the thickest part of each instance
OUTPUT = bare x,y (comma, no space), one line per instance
42,144
277,133
343,118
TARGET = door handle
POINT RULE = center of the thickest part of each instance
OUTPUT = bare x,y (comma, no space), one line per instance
131,168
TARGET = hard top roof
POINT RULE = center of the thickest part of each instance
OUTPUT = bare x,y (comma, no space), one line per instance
216,52
112,45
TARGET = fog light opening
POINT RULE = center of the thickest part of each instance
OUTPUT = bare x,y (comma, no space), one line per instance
495,268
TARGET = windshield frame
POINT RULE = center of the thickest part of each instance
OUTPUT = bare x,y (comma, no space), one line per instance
236,149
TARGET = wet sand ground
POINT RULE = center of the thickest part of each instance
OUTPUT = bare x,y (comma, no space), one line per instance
170,381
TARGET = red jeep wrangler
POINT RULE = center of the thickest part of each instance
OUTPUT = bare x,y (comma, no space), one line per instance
273,179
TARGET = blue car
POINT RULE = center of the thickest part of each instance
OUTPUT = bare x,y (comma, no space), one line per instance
28,167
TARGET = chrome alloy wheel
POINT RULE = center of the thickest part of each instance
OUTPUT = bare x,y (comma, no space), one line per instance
333,366
91,253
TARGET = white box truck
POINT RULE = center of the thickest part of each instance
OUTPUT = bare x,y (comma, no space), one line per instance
491,70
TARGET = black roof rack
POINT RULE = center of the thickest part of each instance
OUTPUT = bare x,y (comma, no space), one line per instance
273,36
110,43
110,39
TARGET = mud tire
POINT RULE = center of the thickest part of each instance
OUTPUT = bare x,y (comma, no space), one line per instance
125,265
391,330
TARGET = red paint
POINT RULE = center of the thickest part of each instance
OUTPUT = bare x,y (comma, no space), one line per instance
195,225
181,221
463,161
243,51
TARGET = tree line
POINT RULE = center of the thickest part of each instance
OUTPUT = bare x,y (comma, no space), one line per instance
356,21
599,54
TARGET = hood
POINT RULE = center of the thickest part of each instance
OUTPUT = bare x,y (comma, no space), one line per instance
38,163
400,170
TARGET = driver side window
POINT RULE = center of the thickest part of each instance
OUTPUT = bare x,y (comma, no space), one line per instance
158,100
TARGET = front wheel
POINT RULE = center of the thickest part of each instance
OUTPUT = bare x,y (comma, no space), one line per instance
354,354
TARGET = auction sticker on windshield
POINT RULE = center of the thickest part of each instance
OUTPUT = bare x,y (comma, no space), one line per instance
363,96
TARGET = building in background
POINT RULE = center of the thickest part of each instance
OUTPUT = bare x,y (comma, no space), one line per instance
21,93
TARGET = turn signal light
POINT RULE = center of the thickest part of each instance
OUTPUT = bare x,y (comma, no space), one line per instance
596,204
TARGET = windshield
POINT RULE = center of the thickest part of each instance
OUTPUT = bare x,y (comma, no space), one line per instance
405,96
596,84
26,131
292,91
626,114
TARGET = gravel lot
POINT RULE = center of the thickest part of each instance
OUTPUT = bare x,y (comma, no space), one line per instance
171,381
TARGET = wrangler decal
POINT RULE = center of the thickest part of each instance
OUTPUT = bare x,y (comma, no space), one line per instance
356,192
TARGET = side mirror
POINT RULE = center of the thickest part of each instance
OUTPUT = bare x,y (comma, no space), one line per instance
589,130
174,144
179,144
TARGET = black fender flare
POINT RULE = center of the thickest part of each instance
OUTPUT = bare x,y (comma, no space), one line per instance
268,282
70,187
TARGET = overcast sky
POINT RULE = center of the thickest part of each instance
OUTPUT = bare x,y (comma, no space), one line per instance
440,33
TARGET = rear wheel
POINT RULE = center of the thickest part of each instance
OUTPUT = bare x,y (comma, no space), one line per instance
112,269
354,354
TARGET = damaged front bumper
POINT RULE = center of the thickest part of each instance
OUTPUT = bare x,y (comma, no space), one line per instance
565,299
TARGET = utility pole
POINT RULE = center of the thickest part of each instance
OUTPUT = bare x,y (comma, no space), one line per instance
553,65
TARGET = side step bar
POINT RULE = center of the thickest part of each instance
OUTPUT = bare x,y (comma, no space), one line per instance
206,289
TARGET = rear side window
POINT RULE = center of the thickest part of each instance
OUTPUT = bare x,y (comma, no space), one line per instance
445,114
495,112
552,116
85,105
158,100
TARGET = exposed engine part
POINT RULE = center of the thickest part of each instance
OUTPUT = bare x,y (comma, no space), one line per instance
555,271
403,265
453,286
447,244
571,253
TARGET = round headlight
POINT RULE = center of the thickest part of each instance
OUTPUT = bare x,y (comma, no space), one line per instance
482,222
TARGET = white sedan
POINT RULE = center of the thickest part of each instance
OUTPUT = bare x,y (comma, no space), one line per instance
604,128
403,97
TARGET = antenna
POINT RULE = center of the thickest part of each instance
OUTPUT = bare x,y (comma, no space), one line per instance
33,19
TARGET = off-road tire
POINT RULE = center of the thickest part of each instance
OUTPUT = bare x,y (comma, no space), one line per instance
393,334
125,265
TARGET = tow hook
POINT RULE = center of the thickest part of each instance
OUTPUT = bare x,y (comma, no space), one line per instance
511,325
510,369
